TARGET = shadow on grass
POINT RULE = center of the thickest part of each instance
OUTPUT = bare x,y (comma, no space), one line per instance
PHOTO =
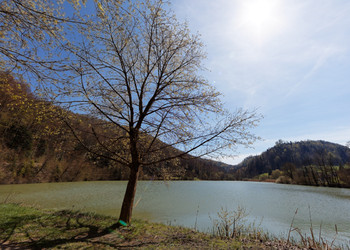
30,228
43,230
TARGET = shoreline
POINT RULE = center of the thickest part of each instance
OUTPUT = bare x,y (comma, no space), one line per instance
28,227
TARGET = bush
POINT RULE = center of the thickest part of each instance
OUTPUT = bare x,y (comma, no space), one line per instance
230,224
284,179
263,176
276,173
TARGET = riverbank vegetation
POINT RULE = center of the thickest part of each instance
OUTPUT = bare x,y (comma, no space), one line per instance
28,227
315,163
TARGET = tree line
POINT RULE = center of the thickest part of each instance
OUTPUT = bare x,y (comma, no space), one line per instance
316,163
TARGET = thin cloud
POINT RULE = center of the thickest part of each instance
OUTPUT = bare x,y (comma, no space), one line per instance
298,76
325,55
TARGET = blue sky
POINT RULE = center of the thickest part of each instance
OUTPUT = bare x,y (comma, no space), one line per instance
288,58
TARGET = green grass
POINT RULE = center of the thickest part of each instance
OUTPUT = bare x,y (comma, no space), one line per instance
27,227
30,228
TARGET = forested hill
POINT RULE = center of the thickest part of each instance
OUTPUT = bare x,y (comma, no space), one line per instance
37,146
309,162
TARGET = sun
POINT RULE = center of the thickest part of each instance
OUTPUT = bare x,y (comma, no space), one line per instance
261,19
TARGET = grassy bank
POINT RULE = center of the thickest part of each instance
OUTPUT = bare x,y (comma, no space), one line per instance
31,228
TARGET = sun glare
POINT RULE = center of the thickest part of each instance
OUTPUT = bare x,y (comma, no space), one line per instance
261,19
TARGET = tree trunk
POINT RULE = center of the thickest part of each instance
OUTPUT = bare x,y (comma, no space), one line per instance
128,202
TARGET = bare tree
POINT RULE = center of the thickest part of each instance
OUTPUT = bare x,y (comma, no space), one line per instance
136,68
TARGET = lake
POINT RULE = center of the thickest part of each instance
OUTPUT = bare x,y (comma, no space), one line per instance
194,203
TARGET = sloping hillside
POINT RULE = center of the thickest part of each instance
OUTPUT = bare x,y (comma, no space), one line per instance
37,146
305,162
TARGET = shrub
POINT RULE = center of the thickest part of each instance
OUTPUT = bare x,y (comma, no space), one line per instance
276,173
263,176
284,179
230,224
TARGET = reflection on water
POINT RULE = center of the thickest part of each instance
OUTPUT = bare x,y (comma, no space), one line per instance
178,202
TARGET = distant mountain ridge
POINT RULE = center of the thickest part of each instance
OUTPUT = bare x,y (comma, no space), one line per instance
298,153
304,158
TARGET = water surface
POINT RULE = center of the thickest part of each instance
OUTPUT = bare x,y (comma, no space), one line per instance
192,203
